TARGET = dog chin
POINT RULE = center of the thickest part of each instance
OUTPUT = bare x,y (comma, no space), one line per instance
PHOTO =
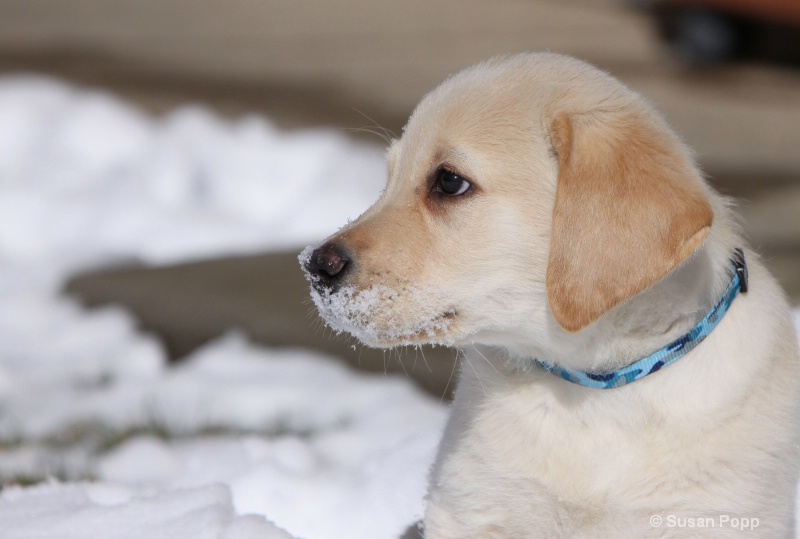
371,316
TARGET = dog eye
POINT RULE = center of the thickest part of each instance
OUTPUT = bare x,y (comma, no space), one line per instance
450,183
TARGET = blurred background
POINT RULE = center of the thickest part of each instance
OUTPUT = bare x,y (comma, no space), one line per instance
163,162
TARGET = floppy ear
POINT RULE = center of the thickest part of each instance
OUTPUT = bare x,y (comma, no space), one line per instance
629,208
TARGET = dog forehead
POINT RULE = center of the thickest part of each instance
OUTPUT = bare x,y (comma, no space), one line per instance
513,91
488,103
468,108
470,114
453,130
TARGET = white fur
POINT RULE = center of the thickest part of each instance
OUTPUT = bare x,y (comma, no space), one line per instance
526,454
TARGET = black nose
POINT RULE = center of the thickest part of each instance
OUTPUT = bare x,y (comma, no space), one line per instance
328,264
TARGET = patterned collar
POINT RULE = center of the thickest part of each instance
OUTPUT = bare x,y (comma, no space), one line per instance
670,353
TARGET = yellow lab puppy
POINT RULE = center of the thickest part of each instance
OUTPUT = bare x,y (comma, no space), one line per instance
623,375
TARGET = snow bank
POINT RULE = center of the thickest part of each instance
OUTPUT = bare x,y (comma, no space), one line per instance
86,177
323,451
103,510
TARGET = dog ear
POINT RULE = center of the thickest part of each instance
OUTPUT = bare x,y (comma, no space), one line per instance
629,208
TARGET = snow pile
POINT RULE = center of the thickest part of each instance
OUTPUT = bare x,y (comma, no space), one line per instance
140,449
341,455
111,511
321,450
86,176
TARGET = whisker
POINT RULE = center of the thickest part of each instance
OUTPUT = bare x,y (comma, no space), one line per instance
386,134
471,366
421,350
449,379
487,361
400,361
383,136
375,123
360,351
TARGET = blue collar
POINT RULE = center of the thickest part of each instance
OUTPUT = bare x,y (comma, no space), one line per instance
670,353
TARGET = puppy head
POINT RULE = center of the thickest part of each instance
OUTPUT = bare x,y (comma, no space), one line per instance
525,189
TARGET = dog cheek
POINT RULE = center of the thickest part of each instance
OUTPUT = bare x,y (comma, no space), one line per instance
496,276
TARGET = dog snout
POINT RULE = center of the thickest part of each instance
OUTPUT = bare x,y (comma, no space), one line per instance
328,265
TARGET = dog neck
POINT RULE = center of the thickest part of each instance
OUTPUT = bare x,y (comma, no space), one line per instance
631,331
668,354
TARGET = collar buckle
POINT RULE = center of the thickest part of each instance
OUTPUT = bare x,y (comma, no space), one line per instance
741,269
